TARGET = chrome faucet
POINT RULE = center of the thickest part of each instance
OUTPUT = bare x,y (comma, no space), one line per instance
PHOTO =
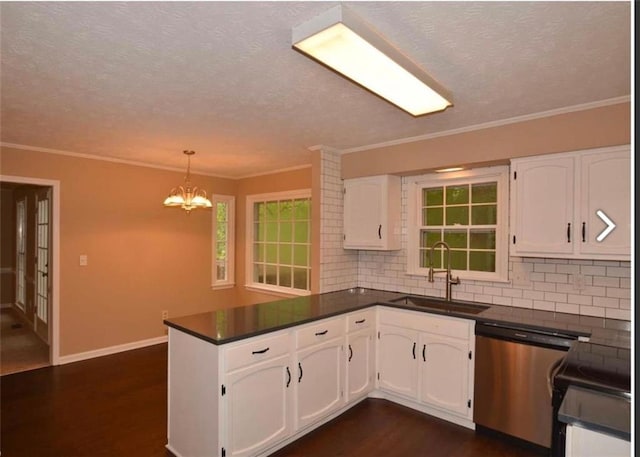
448,278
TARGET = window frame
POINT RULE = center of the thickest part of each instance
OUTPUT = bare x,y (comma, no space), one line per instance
216,283
498,174
250,223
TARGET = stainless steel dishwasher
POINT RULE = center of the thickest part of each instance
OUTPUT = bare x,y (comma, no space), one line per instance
513,379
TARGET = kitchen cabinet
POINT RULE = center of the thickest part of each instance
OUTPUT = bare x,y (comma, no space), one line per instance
257,394
360,355
259,398
444,373
428,359
605,184
582,442
253,396
397,360
319,375
555,199
372,219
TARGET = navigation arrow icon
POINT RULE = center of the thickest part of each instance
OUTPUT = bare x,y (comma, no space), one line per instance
610,226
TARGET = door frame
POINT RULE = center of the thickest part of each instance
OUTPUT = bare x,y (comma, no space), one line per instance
54,344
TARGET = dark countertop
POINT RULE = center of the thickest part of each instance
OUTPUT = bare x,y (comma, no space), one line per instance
597,367
609,339
604,413
227,325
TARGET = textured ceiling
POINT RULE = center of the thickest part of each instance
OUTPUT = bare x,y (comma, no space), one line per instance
142,81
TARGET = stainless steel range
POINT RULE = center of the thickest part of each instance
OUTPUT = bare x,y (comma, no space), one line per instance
597,367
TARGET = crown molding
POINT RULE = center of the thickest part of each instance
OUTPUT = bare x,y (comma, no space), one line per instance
25,147
486,125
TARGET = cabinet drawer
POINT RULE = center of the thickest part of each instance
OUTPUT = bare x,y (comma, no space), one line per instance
257,350
319,332
360,320
424,322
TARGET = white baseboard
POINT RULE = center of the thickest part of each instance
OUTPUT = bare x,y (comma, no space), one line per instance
111,350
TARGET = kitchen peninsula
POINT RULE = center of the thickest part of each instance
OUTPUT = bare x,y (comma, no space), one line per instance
246,381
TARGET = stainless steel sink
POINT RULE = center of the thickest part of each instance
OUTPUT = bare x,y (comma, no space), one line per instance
440,305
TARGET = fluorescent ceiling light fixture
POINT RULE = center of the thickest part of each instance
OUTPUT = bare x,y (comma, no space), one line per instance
448,170
343,42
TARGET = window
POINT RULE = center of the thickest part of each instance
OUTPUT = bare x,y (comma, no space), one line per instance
21,254
279,230
468,211
223,240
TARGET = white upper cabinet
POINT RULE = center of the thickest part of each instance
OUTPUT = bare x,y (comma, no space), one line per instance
605,182
558,202
542,206
372,213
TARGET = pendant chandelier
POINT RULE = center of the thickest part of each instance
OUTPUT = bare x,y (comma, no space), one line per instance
188,197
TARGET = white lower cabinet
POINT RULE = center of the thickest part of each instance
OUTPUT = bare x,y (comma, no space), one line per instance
250,397
397,360
319,381
258,405
428,359
360,364
444,373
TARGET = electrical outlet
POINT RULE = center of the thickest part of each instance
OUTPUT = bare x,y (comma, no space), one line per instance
165,314
578,282
520,275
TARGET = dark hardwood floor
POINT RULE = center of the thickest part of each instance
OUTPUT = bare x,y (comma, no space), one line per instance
116,406
380,428
108,406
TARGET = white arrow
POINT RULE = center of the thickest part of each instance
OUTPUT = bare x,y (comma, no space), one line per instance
610,225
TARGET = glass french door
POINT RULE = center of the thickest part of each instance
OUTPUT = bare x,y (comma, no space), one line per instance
21,254
43,254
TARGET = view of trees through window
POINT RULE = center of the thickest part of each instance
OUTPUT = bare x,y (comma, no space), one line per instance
281,242
465,217
222,228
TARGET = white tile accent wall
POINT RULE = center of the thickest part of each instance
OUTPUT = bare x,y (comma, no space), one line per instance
338,267
606,291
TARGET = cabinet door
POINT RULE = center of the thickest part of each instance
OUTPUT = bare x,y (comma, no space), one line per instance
318,381
444,370
363,213
257,406
606,186
360,364
397,360
372,213
542,199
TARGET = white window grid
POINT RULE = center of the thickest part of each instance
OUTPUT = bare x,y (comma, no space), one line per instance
223,244
500,175
270,271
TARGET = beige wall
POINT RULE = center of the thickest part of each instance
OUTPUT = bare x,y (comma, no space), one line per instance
604,126
276,182
142,258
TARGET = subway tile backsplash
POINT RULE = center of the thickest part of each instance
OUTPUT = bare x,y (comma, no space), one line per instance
605,289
